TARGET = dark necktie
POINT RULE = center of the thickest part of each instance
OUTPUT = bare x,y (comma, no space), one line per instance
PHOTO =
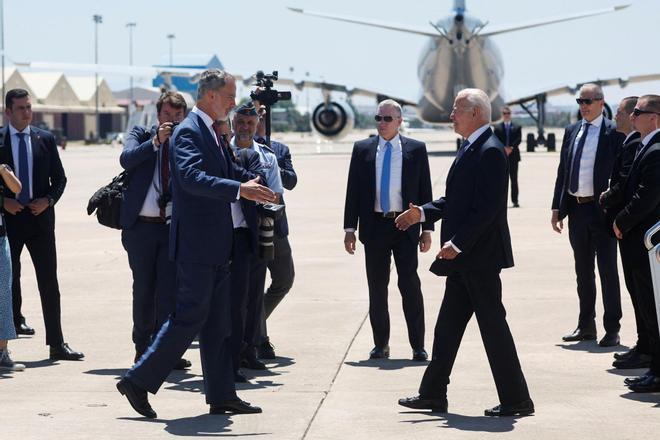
226,152
164,173
462,150
577,156
507,130
24,171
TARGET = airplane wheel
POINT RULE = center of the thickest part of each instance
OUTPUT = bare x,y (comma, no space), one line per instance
551,142
531,142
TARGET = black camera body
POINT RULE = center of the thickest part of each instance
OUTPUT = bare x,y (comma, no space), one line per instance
268,213
268,96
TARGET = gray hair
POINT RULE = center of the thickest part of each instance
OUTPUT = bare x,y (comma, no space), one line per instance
477,98
390,103
212,79
595,88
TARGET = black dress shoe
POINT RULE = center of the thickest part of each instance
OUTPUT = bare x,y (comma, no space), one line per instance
240,378
182,364
266,350
420,355
638,379
252,363
236,406
525,408
63,352
611,339
137,397
516,205
625,354
380,352
636,360
649,385
419,402
580,335
24,329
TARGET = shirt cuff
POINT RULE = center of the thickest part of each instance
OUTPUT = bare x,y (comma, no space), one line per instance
454,246
422,217
427,230
238,193
349,229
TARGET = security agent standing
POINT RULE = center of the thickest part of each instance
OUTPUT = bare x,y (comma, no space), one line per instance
588,152
510,134
30,218
143,218
387,173
281,267
245,123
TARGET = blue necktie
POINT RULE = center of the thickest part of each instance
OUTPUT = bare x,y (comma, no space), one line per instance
463,149
577,156
385,178
24,171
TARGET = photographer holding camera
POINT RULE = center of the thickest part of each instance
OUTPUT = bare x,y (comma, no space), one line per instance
145,218
244,124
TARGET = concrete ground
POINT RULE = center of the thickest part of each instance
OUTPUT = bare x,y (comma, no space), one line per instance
322,386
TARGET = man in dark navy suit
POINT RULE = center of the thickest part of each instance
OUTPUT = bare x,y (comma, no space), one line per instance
476,246
641,196
143,217
387,173
510,134
589,150
205,182
32,153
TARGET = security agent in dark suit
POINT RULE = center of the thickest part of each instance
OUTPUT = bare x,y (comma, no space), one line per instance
143,217
641,196
589,150
387,173
204,184
281,268
612,202
476,245
510,135
30,218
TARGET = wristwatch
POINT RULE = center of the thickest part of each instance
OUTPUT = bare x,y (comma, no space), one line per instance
51,201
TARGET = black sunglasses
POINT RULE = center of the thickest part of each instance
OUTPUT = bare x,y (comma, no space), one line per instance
379,118
638,112
587,101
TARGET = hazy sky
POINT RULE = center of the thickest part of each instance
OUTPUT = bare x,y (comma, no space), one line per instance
251,35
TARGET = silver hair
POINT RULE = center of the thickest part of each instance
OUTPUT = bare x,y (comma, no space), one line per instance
598,90
390,103
212,79
477,98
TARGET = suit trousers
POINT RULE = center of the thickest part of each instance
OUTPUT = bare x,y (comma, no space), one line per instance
203,306
282,274
239,274
37,234
629,269
378,253
255,304
590,237
513,176
478,292
154,279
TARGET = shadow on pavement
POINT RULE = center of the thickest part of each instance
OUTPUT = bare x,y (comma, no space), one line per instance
39,364
466,423
387,364
643,397
628,372
592,347
204,425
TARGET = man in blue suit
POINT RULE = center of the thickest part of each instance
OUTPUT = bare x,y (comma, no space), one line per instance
476,246
205,182
145,231
588,153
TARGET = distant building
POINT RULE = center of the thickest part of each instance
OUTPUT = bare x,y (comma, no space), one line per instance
185,84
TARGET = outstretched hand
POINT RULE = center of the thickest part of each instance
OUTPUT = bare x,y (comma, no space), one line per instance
408,218
252,190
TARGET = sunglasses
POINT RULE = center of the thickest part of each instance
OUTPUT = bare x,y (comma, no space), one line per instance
506,113
638,112
379,118
587,101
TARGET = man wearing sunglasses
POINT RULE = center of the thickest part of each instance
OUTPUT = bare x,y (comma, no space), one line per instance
510,135
388,173
641,196
589,149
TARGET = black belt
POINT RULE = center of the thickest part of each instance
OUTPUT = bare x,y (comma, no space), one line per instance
145,219
389,214
582,200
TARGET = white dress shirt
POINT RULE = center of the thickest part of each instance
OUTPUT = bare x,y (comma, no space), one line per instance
15,139
588,159
150,206
647,139
396,164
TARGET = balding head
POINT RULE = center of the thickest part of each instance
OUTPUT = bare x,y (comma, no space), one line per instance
591,101
471,110
648,117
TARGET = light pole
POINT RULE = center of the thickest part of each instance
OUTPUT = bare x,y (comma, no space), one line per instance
97,20
130,27
171,37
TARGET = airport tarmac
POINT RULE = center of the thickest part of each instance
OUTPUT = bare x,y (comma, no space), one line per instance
322,386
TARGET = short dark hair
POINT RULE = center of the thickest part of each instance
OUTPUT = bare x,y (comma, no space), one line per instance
629,103
174,99
14,94
652,102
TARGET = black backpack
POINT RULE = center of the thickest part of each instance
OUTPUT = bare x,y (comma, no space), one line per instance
107,201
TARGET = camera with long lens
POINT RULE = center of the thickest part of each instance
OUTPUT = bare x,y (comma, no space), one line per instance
268,213
265,94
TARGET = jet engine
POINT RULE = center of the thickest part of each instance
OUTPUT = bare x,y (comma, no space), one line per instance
333,120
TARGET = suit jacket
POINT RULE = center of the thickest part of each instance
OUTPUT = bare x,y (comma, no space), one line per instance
361,188
609,146
139,159
289,181
612,199
642,193
249,160
474,208
515,137
48,178
204,183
